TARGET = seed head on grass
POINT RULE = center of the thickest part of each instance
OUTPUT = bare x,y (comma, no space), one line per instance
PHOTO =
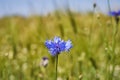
94,5
56,46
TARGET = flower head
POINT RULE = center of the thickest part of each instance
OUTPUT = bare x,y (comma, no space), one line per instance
44,62
115,13
57,45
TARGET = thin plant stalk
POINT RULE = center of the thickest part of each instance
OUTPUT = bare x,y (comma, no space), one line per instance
115,31
108,1
72,20
113,50
108,76
109,8
60,25
92,25
13,37
56,66
90,37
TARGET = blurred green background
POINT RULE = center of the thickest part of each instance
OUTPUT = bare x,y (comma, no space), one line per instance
91,58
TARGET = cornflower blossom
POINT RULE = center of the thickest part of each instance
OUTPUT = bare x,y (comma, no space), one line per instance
116,14
56,46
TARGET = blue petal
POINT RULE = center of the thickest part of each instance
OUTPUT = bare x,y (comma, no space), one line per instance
68,45
53,51
49,44
114,13
62,46
57,39
119,12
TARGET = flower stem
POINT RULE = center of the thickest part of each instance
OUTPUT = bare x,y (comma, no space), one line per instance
113,51
56,66
109,8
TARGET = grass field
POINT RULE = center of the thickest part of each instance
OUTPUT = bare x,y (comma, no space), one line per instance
95,54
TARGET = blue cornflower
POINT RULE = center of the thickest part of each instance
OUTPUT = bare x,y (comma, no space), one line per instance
115,13
57,45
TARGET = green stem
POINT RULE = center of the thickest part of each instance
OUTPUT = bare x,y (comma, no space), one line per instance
109,8
90,38
113,51
56,66
109,74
